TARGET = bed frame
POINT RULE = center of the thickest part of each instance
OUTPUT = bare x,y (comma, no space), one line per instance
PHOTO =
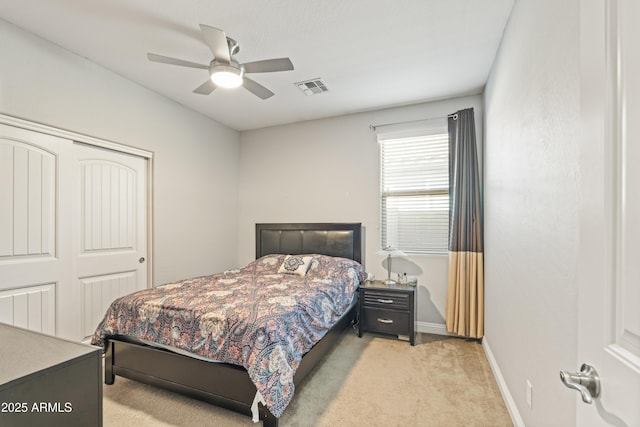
223,384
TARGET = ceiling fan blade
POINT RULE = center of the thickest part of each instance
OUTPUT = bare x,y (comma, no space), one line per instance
268,65
174,61
205,88
217,42
257,89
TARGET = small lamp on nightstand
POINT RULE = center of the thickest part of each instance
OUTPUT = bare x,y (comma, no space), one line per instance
390,252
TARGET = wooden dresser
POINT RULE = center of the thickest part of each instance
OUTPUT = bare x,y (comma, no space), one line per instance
48,381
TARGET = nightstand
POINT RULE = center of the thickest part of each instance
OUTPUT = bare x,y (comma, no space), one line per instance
387,309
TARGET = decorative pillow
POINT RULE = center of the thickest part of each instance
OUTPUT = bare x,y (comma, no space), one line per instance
295,264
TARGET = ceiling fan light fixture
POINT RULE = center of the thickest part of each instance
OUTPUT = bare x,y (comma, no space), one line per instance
224,70
227,76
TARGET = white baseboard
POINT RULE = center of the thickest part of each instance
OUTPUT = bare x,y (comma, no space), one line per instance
432,328
502,385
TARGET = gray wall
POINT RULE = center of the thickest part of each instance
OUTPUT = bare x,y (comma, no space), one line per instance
531,207
196,158
329,170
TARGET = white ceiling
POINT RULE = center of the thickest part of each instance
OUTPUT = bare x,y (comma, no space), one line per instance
370,53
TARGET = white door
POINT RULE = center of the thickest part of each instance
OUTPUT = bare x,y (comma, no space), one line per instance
111,230
609,276
34,259
73,222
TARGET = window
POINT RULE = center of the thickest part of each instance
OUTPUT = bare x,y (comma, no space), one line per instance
414,188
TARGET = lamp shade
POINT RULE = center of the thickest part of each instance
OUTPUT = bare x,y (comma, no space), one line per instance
391,251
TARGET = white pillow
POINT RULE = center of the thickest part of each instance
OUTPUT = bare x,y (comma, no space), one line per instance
295,264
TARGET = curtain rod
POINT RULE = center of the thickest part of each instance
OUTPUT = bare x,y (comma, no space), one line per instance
454,115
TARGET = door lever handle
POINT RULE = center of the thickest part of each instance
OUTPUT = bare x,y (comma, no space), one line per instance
587,382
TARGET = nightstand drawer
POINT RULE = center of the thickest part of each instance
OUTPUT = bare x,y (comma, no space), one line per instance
386,321
395,300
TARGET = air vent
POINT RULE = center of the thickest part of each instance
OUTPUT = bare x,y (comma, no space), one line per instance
312,87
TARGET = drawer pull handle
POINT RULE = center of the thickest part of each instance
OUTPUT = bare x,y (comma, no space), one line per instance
385,301
389,321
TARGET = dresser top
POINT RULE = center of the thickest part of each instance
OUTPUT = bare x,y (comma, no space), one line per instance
24,352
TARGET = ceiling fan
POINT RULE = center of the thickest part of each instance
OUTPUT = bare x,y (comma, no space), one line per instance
224,71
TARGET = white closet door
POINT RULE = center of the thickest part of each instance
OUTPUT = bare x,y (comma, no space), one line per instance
73,222
111,241
34,257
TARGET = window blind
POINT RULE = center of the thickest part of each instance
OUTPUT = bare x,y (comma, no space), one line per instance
414,192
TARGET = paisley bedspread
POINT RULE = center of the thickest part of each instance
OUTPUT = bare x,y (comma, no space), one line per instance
253,317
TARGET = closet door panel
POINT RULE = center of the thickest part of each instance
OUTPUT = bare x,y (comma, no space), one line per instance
27,197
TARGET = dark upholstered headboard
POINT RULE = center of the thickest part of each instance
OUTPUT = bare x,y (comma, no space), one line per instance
334,239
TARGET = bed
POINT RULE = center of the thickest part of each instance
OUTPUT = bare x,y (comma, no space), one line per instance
231,385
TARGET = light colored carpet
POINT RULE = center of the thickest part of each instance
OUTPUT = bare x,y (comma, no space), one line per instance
368,381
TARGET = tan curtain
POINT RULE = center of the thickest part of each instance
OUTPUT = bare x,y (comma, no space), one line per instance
465,294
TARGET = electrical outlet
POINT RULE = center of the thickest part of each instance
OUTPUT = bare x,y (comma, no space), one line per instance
529,394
